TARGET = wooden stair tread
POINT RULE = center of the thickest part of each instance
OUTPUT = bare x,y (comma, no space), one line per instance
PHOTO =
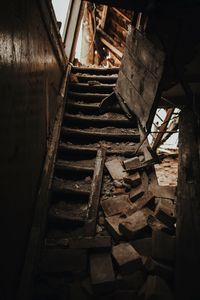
102,71
87,97
71,186
84,165
106,133
91,88
83,78
90,108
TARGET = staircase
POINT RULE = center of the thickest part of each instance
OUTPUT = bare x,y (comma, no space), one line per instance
77,244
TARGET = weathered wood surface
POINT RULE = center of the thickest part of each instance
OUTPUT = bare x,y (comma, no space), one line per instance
188,206
139,75
95,192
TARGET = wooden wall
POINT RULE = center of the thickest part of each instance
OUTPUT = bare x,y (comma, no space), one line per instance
32,65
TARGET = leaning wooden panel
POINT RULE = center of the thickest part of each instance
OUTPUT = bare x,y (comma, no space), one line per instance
140,74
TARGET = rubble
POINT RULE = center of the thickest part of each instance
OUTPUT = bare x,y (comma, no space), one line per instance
116,169
136,193
165,212
116,205
136,224
127,258
112,225
133,180
132,163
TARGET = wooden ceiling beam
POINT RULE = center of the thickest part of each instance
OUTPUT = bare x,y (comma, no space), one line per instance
126,4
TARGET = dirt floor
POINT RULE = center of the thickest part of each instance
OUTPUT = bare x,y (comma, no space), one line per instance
167,171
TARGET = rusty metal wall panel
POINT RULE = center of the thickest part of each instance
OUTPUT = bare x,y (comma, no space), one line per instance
140,73
30,77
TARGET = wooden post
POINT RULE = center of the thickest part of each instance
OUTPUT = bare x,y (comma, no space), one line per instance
188,207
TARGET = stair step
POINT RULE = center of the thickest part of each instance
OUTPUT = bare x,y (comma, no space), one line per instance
112,149
108,133
107,119
95,71
77,166
71,187
82,78
61,216
89,108
91,88
87,97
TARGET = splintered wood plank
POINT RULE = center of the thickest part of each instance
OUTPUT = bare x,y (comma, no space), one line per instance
95,192
61,216
116,169
71,187
116,205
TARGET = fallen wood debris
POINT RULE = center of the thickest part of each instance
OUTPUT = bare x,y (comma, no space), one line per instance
165,212
116,205
133,180
115,168
127,258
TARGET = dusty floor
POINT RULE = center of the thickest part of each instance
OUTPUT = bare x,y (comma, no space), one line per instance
167,171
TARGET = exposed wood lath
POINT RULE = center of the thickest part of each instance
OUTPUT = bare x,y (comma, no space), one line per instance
106,29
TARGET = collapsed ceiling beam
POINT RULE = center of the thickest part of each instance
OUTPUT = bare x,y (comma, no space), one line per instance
109,43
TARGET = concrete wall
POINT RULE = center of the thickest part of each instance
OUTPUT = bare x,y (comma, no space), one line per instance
30,76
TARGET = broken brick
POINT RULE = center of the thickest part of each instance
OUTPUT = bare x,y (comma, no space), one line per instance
116,205
127,258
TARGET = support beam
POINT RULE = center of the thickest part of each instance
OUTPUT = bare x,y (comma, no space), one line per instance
188,207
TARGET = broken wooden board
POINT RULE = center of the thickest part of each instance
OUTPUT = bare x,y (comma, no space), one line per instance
101,272
146,199
165,212
112,225
116,205
90,227
140,73
116,169
133,180
127,258
136,225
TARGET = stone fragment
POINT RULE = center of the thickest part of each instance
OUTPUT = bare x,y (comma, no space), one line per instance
136,224
163,246
101,272
116,169
133,180
116,205
127,258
